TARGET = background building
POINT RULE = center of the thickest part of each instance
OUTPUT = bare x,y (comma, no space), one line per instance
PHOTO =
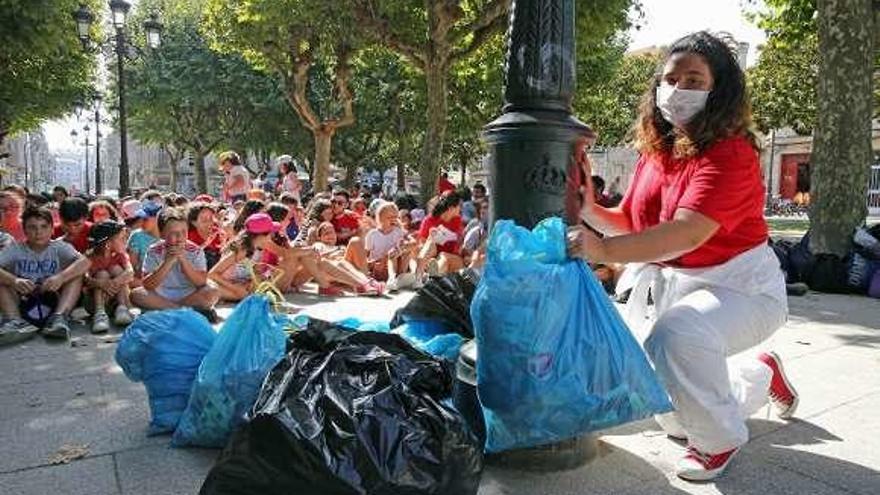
785,159
29,162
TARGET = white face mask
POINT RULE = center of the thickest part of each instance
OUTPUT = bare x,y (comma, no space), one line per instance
679,106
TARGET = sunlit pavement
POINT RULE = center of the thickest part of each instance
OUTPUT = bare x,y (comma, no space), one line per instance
52,395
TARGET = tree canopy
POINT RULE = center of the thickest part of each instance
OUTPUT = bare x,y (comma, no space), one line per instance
309,44
42,64
191,97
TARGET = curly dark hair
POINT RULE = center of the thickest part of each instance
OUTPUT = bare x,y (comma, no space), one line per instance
249,208
727,112
244,241
94,205
447,202
195,209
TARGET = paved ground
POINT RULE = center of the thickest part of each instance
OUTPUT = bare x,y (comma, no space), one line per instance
56,395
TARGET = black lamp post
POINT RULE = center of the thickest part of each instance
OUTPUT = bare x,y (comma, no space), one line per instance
533,143
533,146
79,106
153,28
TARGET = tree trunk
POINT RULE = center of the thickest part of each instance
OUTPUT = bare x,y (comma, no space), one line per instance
174,157
435,134
402,158
201,173
842,138
323,144
464,160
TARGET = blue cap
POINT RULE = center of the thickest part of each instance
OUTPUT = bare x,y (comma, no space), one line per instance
149,210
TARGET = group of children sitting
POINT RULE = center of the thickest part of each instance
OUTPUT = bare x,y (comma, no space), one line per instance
164,251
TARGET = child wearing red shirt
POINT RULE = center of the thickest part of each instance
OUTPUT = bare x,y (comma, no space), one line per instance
110,275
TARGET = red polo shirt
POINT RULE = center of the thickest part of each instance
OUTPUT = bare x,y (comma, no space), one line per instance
723,183
347,221
454,224
80,242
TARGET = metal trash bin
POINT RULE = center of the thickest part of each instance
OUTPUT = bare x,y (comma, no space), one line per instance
464,390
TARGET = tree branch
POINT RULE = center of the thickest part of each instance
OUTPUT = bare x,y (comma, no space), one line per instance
343,92
301,53
492,21
380,27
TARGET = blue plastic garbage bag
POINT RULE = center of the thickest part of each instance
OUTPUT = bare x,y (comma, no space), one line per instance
432,337
250,343
556,360
364,326
163,349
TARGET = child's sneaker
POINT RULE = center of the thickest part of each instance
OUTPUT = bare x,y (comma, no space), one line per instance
16,330
122,317
700,466
433,268
371,288
406,280
393,285
57,327
782,394
79,314
100,322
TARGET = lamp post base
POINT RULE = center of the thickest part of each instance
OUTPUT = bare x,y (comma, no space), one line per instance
561,456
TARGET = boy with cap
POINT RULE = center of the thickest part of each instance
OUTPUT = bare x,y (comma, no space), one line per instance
144,237
109,276
40,281
175,271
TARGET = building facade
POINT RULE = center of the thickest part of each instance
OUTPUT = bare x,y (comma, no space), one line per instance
29,162
785,159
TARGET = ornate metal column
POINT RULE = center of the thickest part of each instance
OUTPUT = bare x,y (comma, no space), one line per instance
532,149
533,142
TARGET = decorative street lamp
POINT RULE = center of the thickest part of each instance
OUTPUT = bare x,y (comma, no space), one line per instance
119,12
154,31
533,143
153,28
533,151
84,20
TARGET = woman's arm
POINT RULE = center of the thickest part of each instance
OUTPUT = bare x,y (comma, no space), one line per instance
687,231
609,221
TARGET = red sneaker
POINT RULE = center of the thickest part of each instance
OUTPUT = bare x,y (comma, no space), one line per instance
371,288
700,466
782,394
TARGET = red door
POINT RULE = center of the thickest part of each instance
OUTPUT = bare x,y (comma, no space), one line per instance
788,187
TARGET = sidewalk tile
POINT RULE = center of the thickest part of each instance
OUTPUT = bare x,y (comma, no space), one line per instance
164,470
838,447
84,477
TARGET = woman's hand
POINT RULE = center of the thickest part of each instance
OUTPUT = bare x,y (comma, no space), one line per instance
583,243
588,195
582,181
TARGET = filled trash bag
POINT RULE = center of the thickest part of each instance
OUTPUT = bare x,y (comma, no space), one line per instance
556,359
250,343
446,300
351,413
364,325
164,349
432,337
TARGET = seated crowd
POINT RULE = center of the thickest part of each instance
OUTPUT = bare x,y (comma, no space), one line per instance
163,251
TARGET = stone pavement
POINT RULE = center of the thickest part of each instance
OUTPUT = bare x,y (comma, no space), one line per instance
56,395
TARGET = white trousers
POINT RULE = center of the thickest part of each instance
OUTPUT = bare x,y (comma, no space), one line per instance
690,344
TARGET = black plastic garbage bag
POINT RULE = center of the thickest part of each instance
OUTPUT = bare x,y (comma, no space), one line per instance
446,299
351,413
